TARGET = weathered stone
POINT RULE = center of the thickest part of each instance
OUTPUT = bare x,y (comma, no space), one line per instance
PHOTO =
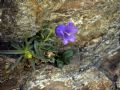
111,67
111,64
92,17
8,83
26,16
98,22
54,86
100,54
118,82
66,79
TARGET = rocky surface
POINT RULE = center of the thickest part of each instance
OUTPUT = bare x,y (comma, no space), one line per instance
24,16
96,65
92,79
99,31
98,73
92,17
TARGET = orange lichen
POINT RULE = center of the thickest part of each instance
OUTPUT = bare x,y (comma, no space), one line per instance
35,6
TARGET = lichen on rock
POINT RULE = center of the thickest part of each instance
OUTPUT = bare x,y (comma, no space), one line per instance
65,80
24,16
94,67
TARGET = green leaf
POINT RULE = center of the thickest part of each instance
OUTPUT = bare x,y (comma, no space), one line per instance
47,46
11,52
36,46
40,56
17,62
38,53
42,36
16,46
59,63
67,61
68,54
26,35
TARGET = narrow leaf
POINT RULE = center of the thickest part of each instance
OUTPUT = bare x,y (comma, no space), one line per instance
36,46
16,46
17,62
11,52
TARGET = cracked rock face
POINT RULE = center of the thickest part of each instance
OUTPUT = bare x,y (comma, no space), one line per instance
96,65
92,17
18,17
98,62
92,79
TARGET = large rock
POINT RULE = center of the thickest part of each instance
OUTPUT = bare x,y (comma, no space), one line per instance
26,16
99,23
66,79
94,67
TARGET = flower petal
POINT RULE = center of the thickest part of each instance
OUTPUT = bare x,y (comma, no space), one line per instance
65,41
72,38
70,24
70,28
59,30
66,32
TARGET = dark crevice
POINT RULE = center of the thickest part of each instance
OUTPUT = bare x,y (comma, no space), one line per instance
4,45
1,3
108,67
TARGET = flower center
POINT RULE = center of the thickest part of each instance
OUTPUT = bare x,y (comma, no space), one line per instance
67,33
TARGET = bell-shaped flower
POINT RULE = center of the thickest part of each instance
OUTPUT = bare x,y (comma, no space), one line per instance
66,32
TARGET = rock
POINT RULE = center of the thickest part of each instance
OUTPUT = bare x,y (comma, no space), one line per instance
118,82
111,64
64,79
99,32
24,16
55,86
91,16
98,22
11,82
111,67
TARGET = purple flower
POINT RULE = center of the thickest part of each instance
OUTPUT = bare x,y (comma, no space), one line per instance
66,32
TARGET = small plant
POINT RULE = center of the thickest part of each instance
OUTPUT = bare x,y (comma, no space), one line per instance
43,47
63,58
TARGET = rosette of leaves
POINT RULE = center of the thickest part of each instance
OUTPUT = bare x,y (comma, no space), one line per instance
44,44
23,51
33,49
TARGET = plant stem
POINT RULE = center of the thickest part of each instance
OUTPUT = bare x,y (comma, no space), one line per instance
46,39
